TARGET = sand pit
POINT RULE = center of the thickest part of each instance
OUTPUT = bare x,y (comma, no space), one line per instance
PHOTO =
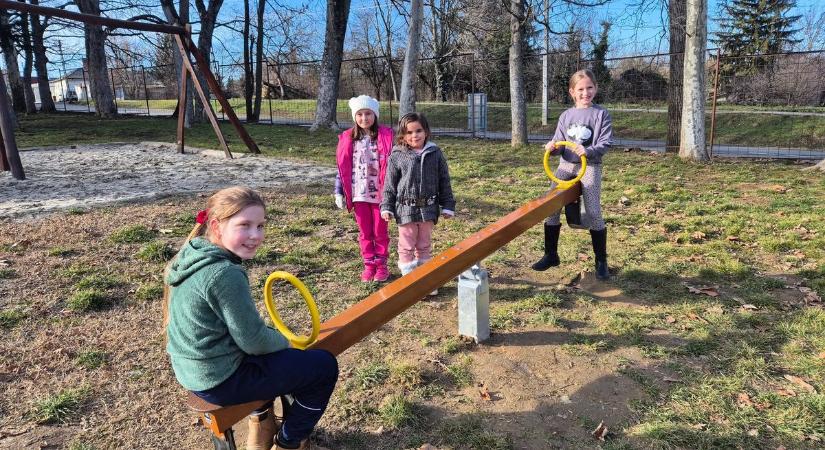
93,175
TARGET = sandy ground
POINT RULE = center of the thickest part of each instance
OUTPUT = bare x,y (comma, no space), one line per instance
85,176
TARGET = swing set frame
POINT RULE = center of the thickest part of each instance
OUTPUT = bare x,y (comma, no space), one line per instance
9,154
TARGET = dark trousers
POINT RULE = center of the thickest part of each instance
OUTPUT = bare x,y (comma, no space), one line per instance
309,376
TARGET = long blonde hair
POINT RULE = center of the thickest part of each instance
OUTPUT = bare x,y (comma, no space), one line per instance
222,205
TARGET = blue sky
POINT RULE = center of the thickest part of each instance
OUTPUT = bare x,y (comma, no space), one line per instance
635,30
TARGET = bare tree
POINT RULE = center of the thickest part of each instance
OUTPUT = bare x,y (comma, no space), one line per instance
41,61
676,26
692,140
208,14
28,61
336,30
259,57
18,97
518,105
387,22
408,74
95,41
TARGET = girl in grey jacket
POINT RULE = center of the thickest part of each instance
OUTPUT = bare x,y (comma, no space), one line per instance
416,191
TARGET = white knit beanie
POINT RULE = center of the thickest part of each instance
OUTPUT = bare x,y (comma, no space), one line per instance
363,102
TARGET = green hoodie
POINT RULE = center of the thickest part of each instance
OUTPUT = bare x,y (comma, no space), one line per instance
213,322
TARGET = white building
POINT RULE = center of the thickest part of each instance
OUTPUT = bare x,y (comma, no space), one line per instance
72,86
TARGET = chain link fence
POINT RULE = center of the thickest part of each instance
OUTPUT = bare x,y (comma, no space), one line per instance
757,105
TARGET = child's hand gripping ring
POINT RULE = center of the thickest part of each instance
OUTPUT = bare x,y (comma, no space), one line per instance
300,342
563,184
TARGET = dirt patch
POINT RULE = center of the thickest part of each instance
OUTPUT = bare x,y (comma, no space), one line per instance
86,176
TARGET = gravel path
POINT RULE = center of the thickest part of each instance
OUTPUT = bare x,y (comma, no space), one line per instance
92,175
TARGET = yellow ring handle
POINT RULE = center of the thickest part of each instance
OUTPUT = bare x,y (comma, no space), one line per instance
563,184
300,342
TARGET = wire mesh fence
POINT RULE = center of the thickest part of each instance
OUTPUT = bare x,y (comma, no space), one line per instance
757,105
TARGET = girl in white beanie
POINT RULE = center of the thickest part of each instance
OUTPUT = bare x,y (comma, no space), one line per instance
362,155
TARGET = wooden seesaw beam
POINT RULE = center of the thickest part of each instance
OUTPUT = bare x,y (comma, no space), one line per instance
359,320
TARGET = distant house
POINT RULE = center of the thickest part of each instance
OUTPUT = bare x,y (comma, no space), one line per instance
71,87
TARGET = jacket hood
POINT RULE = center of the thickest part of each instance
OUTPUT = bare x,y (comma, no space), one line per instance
195,255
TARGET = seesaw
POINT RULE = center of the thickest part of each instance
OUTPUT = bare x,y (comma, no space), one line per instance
359,320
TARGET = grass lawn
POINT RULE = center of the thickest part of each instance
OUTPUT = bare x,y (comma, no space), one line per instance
735,125
711,333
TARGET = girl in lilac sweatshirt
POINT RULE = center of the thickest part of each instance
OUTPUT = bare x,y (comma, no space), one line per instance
589,127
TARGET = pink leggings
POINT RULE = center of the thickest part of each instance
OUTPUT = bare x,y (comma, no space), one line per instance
373,236
415,242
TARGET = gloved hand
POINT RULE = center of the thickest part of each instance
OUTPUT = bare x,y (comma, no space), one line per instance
339,201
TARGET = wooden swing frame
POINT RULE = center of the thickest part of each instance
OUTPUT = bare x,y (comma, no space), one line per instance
9,155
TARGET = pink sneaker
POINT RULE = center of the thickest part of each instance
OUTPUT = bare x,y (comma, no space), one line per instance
368,274
382,273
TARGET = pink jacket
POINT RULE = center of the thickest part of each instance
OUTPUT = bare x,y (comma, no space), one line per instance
344,157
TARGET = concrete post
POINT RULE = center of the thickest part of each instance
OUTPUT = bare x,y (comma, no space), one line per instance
474,304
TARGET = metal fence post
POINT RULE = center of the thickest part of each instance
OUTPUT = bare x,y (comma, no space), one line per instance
114,88
473,92
86,90
145,92
474,303
269,95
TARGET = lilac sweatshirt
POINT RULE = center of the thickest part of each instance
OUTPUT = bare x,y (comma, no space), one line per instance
591,127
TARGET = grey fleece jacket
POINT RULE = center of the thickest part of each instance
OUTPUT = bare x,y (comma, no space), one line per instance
417,187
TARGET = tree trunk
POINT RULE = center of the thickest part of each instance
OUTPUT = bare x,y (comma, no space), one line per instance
183,16
41,62
692,139
676,16
28,58
325,110
819,166
248,77
18,97
408,74
95,40
517,103
259,60
209,16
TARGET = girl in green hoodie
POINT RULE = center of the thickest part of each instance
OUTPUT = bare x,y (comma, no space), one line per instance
219,346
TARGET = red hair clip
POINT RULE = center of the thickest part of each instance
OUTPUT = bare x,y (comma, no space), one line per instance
202,217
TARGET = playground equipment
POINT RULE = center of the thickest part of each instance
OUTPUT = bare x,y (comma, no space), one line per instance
359,320
9,157
300,342
563,184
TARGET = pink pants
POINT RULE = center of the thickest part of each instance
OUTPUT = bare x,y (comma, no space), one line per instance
415,242
373,236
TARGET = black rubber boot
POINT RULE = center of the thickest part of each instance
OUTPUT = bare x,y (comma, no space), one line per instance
551,246
599,239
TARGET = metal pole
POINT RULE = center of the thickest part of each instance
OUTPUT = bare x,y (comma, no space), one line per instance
86,90
145,91
114,90
545,66
473,90
7,130
713,110
269,95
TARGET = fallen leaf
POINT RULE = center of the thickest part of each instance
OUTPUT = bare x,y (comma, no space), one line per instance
800,382
705,290
379,430
697,317
670,319
699,426
583,256
733,238
485,394
698,235
753,432
813,437
785,392
778,188
821,355
743,399
166,231
427,447
672,380
600,432
749,307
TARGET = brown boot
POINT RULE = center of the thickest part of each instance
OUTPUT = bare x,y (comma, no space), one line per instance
262,429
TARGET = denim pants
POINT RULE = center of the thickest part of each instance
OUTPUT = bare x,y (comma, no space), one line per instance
308,375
